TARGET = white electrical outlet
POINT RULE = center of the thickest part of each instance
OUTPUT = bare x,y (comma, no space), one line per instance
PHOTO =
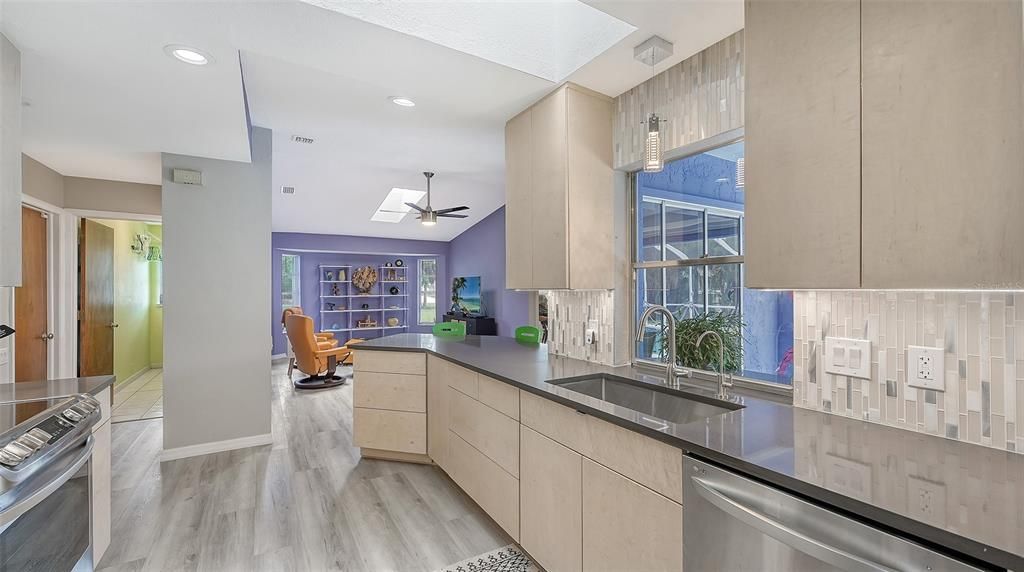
925,368
927,500
848,356
591,336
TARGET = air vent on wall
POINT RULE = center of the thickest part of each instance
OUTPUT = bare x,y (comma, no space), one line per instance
287,190
301,139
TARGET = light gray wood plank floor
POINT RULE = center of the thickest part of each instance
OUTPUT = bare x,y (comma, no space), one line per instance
307,502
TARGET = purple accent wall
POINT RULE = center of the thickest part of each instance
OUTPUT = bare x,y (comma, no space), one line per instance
480,251
354,251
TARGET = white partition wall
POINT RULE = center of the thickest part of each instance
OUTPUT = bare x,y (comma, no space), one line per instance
216,286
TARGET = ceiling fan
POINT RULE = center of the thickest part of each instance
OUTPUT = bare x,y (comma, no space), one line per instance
428,216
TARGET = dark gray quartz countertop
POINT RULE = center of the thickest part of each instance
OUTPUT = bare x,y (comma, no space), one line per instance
52,389
884,474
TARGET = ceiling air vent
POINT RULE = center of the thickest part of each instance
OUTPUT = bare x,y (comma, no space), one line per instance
287,190
301,139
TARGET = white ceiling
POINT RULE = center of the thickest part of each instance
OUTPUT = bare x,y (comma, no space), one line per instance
105,99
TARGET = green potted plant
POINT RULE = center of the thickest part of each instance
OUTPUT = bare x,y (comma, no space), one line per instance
729,326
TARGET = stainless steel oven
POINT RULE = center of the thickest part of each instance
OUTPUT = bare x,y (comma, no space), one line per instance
734,523
45,487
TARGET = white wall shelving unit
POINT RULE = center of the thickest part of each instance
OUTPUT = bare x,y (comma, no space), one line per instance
341,304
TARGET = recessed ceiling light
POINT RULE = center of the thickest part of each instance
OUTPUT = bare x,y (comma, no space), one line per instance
188,55
403,101
393,207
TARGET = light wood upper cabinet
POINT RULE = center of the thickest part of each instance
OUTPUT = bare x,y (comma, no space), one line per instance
559,192
943,141
883,144
802,163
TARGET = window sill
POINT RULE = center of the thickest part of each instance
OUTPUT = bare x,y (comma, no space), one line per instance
777,392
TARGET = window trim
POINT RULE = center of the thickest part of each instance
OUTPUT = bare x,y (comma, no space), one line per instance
296,281
632,172
419,291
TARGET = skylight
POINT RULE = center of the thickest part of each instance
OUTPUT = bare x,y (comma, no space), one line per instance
549,39
393,207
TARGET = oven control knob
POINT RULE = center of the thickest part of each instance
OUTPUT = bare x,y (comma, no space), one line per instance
30,442
17,449
72,415
9,459
40,434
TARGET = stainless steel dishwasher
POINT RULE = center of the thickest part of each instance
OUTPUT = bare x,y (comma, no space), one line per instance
733,523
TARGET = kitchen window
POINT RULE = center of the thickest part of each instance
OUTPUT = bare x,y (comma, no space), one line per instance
427,268
290,285
689,258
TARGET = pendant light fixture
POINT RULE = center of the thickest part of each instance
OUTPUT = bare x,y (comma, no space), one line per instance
651,52
653,160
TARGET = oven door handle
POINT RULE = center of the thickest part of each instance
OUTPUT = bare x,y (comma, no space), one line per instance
767,525
37,493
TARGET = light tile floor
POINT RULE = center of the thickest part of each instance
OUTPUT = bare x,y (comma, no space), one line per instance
141,398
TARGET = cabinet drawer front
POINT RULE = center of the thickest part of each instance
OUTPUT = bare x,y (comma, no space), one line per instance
398,392
414,363
627,526
399,431
651,463
499,395
551,503
496,491
463,379
492,433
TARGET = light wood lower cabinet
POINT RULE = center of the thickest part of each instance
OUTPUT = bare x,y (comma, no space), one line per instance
492,433
437,410
551,502
627,526
382,430
493,488
101,485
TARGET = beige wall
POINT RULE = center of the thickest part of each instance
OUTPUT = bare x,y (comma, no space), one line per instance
41,182
112,196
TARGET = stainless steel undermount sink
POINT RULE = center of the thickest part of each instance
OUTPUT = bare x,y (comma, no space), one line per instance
651,400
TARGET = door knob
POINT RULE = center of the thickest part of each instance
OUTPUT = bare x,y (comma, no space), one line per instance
46,337
113,324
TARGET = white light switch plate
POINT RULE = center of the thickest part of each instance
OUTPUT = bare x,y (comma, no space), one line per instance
848,356
926,368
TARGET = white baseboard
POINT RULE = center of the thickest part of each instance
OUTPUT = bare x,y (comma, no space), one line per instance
278,356
156,366
216,447
134,376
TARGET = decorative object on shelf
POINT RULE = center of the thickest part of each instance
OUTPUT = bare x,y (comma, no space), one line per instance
335,291
365,306
387,265
329,275
394,307
342,275
368,322
329,306
364,279
335,326
394,290
155,254
400,263
393,321
391,276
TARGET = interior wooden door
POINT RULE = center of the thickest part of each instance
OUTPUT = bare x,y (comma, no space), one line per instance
30,301
96,299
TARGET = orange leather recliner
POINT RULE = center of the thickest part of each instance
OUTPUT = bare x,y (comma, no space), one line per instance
311,357
324,339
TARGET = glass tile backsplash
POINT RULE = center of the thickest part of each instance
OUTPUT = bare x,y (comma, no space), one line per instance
982,338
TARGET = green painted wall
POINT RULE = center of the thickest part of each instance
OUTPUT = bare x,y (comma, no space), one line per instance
156,309
131,301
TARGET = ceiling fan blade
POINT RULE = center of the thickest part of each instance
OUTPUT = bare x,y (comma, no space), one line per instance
453,209
398,212
416,206
448,215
